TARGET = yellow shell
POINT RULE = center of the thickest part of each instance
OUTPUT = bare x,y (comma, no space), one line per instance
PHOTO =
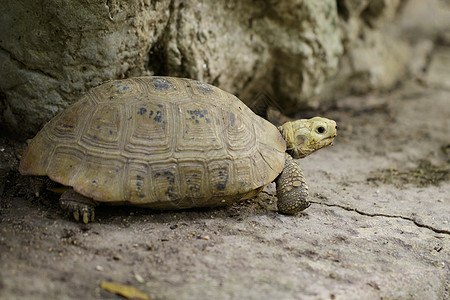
160,142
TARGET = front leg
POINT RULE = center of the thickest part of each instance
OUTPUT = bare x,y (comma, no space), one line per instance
292,191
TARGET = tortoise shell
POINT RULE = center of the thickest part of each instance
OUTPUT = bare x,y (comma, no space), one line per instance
160,142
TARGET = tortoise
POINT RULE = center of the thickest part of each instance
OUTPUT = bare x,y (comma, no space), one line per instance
171,143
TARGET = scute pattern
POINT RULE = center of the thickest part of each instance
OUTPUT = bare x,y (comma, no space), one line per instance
198,130
149,129
160,142
102,129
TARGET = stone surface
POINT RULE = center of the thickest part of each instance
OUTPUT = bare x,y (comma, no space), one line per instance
298,54
385,41
374,58
52,54
424,19
439,69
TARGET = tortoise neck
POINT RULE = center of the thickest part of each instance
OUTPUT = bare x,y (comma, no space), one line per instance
287,132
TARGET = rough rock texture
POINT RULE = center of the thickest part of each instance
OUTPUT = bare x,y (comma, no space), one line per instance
295,53
51,53
385,41
373,57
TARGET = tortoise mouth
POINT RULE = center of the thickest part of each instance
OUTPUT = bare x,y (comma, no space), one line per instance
328,141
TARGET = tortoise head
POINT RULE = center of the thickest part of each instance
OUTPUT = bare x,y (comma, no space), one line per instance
305,136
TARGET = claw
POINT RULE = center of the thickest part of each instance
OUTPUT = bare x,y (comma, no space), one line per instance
82,208
85,217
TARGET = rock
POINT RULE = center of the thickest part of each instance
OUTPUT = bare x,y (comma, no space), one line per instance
374,59
424,19
385,42
300,54
52,54
439,69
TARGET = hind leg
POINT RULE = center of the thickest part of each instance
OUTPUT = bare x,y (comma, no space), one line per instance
78,206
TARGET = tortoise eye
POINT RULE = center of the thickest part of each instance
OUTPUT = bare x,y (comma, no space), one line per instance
320,129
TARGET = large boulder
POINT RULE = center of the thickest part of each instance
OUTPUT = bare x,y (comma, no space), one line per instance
295,53
50,54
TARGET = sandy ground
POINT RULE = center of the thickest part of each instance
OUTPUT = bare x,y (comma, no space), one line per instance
378,227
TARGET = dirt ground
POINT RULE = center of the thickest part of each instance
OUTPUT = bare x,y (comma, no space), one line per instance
378,227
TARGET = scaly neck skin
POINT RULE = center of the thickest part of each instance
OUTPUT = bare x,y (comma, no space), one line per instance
288,133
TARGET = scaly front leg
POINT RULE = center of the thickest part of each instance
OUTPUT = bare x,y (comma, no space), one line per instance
292,191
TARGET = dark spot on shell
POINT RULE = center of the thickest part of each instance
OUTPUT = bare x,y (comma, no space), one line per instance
197,112
223,179
207,120
170,177
139,182
204,88
150,114
98,126
142,111
121,88
110,132
162,84
232,118
160,106
171,194
196,122
195,191
158,117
